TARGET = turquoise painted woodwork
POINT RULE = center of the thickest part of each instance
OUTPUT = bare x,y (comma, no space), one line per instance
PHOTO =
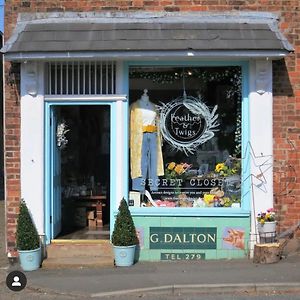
246,188
113,165
229,237
50,161
47,172
246,191
55,185
2,6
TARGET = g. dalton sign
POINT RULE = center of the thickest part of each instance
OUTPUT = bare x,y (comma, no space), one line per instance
183,238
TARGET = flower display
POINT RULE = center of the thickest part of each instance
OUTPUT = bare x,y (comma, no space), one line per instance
231,166
175,170
220,167
268,216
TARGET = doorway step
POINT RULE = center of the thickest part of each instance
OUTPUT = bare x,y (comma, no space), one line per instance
79,254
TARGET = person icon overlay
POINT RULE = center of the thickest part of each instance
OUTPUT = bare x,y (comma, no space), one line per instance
16,281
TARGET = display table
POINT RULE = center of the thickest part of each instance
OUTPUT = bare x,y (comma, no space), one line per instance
97,202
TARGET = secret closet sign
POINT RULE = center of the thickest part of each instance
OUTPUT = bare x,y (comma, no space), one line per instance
187,122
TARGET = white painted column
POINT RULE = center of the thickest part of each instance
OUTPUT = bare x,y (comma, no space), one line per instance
32,140
119,144
261,140
120,138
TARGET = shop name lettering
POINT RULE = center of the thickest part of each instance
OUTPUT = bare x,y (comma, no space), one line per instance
185,121
193,182
182,238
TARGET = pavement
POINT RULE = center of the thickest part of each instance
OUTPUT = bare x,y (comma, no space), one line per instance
157,278
212,276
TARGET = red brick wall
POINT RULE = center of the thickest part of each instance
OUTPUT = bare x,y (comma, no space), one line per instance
12,149
286,90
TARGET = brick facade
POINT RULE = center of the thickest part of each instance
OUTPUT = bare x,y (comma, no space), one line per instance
286,87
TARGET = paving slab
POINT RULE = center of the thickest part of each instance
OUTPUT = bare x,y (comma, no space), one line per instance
162,276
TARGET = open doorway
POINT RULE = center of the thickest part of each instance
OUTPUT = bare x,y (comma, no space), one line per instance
83,160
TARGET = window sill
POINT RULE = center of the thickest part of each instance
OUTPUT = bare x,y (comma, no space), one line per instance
190,212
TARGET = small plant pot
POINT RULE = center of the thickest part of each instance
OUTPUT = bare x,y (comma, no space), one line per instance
30,260
124,255
267,232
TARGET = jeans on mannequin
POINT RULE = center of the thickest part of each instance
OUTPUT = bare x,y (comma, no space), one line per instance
148,164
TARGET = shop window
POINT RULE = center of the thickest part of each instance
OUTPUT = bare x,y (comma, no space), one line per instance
185,136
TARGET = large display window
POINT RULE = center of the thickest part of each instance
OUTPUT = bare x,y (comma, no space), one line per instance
185,136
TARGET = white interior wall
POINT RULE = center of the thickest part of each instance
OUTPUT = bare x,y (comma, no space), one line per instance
32,140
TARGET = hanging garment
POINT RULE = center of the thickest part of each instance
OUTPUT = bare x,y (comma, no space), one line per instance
136,140
148,164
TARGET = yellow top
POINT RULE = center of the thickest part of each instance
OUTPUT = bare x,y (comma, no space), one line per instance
136,139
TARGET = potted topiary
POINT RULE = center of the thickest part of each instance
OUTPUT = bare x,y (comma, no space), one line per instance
28,240
124,237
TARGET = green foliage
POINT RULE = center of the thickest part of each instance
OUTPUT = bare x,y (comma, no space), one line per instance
124,233
27,236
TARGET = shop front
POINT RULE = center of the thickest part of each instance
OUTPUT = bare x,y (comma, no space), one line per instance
172,112
187,189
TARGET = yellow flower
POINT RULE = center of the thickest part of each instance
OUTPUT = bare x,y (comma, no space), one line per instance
179,169
171,166
262,221
208,198
219,167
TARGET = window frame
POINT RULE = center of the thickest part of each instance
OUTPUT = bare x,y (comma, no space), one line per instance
244,210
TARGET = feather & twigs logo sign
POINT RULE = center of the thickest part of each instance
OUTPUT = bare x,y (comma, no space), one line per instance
187,122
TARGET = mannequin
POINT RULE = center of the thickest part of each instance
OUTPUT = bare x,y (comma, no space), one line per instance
145,144
148,110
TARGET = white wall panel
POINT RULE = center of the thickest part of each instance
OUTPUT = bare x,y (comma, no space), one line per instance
32,141
261,137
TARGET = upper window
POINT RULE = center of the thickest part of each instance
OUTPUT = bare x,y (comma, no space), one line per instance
81,78
185,136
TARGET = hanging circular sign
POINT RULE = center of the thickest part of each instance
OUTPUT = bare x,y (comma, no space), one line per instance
184,126
187,122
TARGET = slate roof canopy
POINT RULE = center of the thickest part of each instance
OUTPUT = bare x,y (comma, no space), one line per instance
146,33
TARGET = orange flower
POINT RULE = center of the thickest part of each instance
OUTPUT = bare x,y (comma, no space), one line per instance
179,169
